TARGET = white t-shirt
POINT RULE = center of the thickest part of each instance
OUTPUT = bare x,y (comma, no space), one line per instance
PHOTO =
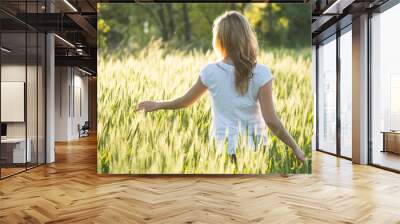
232,113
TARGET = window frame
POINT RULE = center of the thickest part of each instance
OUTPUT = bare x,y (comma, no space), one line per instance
381,9
333,37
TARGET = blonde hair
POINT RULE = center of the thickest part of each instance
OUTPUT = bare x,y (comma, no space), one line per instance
234,38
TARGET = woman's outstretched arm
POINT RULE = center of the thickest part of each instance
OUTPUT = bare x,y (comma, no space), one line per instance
193,94
273,121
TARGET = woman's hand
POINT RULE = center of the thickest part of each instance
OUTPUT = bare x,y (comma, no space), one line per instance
299,154
148,106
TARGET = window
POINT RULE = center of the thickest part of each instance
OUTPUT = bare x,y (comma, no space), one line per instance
346,93
385,88
22,92
327,96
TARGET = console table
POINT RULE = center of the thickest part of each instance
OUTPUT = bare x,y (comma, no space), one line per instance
391,141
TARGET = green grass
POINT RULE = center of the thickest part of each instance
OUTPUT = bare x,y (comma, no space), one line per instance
176,142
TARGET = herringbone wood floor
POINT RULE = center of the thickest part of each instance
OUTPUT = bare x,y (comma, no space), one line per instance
70,191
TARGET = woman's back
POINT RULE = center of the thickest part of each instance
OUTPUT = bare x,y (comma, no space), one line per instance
233,113
234,89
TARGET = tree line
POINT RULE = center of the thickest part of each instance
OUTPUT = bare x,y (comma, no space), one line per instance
189,25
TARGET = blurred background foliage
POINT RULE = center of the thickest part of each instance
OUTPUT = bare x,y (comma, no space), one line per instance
130,27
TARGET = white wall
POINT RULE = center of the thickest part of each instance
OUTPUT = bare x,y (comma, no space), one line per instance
61,103
70,83
80,85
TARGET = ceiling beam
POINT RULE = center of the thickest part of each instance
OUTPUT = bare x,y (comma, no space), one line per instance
78,61
84,24
49,22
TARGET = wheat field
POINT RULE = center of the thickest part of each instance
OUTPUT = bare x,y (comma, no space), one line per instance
176,142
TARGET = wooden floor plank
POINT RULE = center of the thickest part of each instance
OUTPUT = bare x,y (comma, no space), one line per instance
71,191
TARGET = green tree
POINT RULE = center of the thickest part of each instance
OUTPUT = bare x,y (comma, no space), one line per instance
130,27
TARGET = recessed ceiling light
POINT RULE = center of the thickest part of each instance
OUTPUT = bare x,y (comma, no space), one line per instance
70,5
338,6
5,50
65,41
84,71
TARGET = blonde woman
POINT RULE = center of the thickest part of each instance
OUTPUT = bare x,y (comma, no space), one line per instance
240,89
